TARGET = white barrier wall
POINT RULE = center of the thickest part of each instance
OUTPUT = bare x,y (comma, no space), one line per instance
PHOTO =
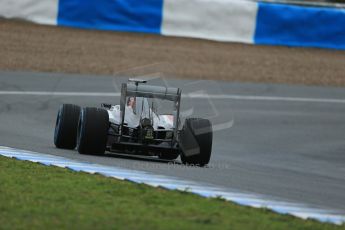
43,12
220,20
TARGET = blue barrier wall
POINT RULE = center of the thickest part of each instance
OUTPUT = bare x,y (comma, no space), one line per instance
121,15
278,24
219,20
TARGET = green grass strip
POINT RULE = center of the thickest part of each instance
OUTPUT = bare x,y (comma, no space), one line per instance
33,196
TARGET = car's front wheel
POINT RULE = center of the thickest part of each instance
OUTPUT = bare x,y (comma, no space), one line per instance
92,131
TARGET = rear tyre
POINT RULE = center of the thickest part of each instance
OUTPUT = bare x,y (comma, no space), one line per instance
196,141
92,131
65,134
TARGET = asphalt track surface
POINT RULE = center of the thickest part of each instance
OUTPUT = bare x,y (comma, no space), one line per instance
286,142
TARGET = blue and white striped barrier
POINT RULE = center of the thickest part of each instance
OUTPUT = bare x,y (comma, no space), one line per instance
219,20
171,183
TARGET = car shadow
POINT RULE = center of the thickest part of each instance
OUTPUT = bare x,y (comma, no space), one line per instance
141,158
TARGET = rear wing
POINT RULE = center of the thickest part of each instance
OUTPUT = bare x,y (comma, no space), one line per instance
151,91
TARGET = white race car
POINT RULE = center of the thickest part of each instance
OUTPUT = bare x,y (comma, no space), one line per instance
135,126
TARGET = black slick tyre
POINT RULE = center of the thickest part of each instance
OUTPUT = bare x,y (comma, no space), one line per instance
65,134
92,131
196,141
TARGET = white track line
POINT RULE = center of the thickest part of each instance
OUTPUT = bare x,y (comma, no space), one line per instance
46,93
267,98
191,95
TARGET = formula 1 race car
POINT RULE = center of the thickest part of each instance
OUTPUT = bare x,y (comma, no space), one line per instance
136,126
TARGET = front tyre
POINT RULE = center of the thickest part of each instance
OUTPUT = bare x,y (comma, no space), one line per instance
65,135
92,131
196,141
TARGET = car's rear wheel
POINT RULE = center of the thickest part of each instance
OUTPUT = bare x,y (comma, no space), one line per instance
65,134
92,131
196,141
